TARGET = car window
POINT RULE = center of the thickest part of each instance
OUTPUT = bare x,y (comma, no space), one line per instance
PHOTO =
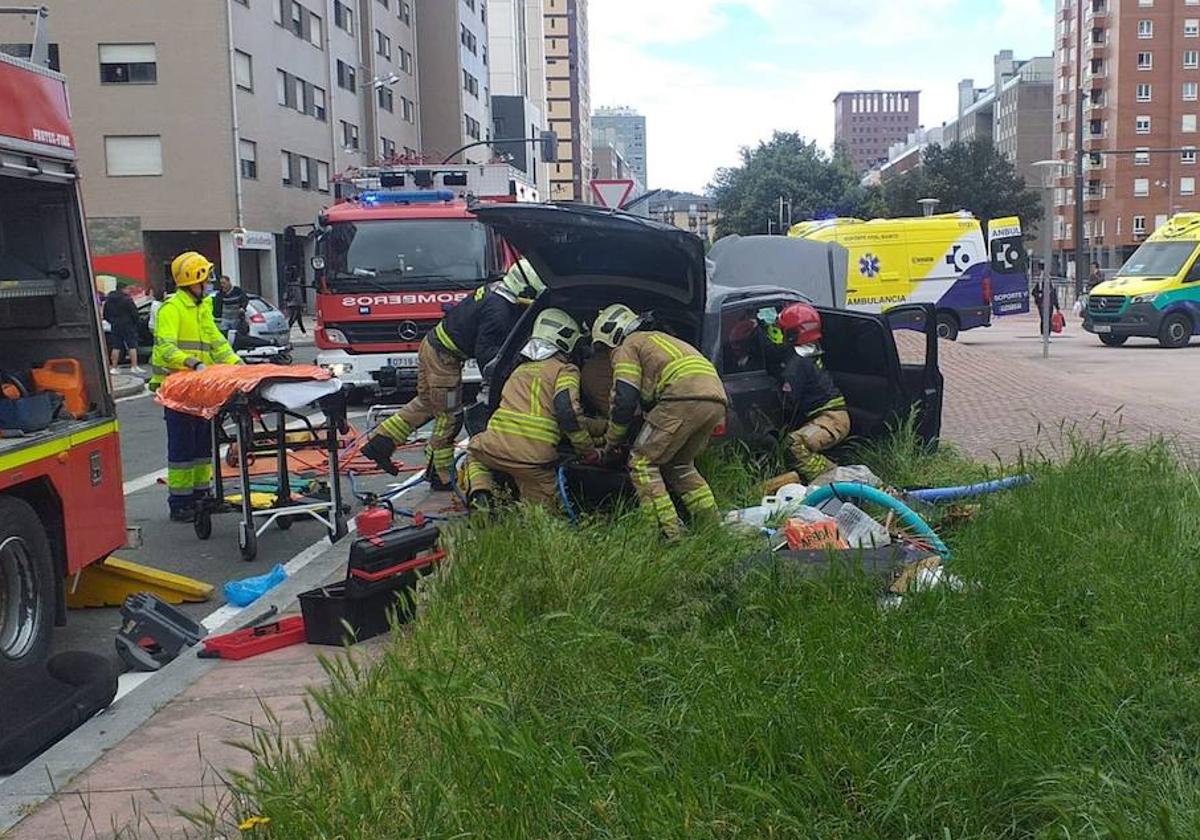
258,306
749,339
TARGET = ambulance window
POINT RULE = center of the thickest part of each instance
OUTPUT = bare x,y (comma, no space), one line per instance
1193,273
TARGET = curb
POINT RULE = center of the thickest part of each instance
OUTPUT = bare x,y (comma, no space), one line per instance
127,386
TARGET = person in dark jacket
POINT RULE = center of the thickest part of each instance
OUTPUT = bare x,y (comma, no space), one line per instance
122,315
229,303
810,397
475,328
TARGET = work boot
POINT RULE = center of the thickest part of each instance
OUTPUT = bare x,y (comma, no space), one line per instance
183,514
482,501
435,480
771,486
379,449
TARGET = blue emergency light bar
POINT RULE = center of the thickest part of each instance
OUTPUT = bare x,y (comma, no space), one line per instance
402,197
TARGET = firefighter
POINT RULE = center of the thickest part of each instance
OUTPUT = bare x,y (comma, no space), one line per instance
539,406
684,403
474,329
187,338
811,396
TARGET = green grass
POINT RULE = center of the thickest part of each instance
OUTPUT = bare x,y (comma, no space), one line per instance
589,682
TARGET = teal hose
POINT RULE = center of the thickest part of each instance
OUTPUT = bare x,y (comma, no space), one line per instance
865,493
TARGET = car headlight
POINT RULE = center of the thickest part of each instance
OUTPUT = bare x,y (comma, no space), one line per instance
339,369
336,337
1144,298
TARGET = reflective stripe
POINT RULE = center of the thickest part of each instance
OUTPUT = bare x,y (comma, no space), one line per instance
445,339
628,371
202,346
566,380
639,470
699,499
616,432
535,397
682,368
542,429
667,347
396,428
835,404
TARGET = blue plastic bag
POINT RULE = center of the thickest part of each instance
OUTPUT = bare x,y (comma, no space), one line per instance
242,593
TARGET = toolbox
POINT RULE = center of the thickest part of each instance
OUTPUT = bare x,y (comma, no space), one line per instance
251,641
331,617
389,560
153,632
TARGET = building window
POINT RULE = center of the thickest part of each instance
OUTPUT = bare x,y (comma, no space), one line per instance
297,20
1145,60
1145,29
345,76
283,88
349,135
133,155
1141,187
389,148
472,127
1191,59
128,64
1191,28
1189,91
322,176
248,159
1188,155
387,4
467,37
386,99
243,70
1188,124
406,60
1139,225
470,84
404,12
318,103
1141,156
1143,92
408,110
1142,125
285,160
343,16
1187,186
383,45
316,30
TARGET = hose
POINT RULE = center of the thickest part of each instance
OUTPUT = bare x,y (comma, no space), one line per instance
865,493
572,516
950,494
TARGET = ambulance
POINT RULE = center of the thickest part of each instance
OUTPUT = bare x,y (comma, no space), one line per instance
941,259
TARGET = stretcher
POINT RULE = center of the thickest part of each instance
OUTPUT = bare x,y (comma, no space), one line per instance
240,409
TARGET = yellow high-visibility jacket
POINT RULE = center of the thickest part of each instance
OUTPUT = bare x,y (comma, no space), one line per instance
185,329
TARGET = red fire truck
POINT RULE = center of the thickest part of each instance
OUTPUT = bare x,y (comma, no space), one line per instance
62,505
398,248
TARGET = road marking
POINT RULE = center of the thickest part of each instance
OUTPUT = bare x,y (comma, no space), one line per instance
142,482
132,397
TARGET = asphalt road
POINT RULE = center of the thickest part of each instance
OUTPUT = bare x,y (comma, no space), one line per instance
174,547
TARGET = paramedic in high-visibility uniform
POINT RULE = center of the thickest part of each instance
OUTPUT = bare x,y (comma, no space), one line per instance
475,328
187,338
539,407
684,403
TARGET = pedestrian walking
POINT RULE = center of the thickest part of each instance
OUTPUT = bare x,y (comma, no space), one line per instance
228,304
1038,294
294,303
122,315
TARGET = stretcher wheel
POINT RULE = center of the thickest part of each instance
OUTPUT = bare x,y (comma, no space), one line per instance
202,524
283,523
247,542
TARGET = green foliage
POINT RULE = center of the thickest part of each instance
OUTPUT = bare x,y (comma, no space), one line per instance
591,682
787,165
964,176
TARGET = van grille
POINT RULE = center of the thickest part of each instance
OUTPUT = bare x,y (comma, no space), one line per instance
1106,304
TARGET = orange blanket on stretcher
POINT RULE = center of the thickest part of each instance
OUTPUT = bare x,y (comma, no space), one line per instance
204,393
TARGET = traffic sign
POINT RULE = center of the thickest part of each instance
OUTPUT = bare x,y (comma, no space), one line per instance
612,194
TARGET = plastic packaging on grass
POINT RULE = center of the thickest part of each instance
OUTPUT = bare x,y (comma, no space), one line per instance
242,593
859,529
851,474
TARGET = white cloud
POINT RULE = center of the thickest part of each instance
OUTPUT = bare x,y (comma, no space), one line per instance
675,61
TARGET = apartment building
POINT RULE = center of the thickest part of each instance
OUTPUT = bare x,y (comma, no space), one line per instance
219,135
455,91
517,51
568,101
1140,70
687,211
867,122
624,129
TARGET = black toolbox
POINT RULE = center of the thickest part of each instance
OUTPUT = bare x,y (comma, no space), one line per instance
380,577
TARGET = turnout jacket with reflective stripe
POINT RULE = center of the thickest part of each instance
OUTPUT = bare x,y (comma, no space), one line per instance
185,329
539,406
478,325
652,367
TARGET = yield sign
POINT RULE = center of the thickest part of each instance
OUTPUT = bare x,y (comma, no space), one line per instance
612,194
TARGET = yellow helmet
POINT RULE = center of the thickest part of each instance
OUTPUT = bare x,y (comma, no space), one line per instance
554,328
190,268
522,281
613,323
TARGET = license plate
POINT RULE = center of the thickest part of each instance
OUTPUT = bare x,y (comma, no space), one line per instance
1102,328
409,361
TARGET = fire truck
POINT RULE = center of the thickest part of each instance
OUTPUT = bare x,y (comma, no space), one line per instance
62,506
398,249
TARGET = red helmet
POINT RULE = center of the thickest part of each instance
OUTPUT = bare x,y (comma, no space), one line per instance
801,324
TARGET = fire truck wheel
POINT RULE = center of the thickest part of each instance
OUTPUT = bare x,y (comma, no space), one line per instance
26,588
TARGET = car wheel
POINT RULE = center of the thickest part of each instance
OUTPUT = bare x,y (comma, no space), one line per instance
1176,331
947,326
26,589
1110,340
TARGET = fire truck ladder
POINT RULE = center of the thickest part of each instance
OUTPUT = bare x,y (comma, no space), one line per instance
39,52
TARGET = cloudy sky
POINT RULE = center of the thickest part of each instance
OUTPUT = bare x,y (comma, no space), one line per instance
714,75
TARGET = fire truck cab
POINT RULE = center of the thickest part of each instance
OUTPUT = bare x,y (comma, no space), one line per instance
62,505
398,249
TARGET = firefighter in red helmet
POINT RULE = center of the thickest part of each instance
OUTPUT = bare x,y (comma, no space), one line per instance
811,398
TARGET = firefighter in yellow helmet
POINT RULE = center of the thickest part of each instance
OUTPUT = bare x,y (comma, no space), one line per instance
187,338
683,402
539,406
474,329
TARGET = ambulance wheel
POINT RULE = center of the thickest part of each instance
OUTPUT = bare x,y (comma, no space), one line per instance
202,524
26,590
1176,331
247,542
1110,340
947,326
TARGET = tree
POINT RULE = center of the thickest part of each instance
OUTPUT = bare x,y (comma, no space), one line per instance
970,176
787,166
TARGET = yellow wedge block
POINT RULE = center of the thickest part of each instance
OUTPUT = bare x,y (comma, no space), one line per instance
108,584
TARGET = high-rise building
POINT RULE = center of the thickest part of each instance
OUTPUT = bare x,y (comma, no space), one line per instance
517,52
452,39
867,122
624,129
217,135
1141,81
568,101
687,211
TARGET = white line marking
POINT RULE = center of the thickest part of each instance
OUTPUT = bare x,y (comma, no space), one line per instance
142,482
132,397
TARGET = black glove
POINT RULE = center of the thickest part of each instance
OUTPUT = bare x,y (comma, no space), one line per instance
379,449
